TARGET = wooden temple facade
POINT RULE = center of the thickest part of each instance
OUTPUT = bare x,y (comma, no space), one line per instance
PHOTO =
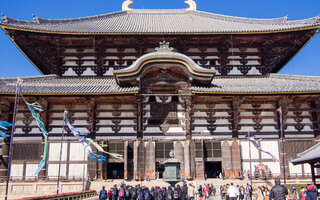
211,80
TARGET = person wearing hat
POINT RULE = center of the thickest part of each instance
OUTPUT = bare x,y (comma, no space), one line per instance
311,193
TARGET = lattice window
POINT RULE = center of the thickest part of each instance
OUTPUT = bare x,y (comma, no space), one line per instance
199,150
26,152
116,148
212,149
163,149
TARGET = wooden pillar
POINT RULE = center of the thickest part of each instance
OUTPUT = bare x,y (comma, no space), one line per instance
315,118
136,159
150,161
187,160
125,159
187,114
192,160
226,159
139,103
236,158
4,116
313,173
179,155
235,119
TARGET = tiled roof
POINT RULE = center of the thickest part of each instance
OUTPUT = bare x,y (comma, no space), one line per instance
54,85
273,83
160,21
308,156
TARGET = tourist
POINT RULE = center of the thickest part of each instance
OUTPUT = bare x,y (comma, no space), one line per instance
109,196
114,193
200,192
293,193
260,193
232,192
103,194
191,192
311,193
140,193
248,192
169,193
222,191
121,193
127,192
146,193
302,195
241,193
266,194
278,192
205,192
152,193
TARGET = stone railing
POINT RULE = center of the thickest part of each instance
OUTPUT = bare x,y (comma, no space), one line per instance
65,196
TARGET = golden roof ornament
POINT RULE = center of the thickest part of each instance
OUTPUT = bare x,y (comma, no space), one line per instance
126,4
192,5
164,47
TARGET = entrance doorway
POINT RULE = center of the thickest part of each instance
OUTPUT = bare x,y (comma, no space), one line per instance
115,170
212,169
160,169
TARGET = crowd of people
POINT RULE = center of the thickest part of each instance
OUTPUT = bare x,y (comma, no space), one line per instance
190,192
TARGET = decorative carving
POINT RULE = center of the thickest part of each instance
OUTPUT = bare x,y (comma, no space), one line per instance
126,4
192,5
164,47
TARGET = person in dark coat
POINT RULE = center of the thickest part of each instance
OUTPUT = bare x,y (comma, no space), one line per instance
103,194
278,192
311,193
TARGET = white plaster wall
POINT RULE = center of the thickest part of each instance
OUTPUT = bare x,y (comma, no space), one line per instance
57,122
246,121
246,114
105,130
16,171
274,167
222,114
245,150
76,170
175,130
246,129
153,130
235,70
54,152
127,114
56,130
222,129
53,170
104,114
79,123
295,169
200,130
246,166
307,169
127,130
88,72
199,106
221,121
77,152
254,71
200,121
270,146
30,170
105,107
268,129
221,106
200,114
127,122
70,72
267,113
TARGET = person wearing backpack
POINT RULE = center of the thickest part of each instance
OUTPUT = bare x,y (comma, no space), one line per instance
121,193
146,193
127,192
152,193
134,194
176,194
103,194
140,194
109,196
114,193
169,194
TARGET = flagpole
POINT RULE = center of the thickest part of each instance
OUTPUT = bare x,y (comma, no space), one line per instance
14,118
250,157
283,157
61,146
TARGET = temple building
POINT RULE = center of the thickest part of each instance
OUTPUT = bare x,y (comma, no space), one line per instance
146,82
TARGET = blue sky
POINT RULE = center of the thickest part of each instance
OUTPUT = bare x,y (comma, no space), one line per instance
13,63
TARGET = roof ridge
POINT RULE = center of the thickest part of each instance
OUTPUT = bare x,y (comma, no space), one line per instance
29,77
291,76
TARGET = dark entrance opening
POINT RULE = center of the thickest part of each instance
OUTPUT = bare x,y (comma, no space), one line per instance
160,169
213,169
115,170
